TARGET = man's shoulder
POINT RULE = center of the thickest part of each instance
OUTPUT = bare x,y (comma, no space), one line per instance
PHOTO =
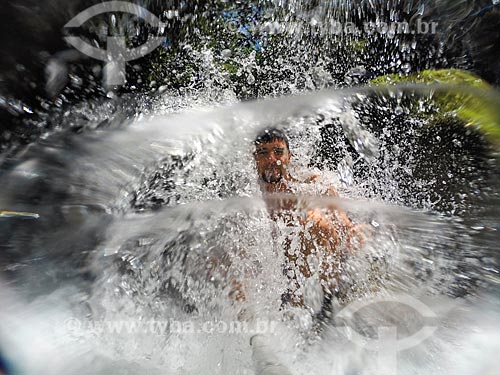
323,183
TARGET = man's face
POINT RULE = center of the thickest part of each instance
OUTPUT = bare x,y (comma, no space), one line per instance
272,160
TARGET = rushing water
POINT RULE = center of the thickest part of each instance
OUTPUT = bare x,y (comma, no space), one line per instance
126,225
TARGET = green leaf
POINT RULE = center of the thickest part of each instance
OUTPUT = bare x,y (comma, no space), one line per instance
478,107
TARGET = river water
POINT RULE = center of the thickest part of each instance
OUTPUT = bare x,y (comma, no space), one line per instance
107,262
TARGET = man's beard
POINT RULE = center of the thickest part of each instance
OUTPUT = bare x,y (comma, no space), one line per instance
270,178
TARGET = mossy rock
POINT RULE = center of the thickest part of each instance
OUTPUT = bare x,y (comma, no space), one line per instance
478,107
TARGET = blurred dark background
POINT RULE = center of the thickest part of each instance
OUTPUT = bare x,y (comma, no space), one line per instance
40,75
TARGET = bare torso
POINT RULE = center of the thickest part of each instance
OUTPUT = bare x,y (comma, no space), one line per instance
316,249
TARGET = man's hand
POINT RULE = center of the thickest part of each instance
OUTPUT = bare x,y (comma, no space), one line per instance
236,293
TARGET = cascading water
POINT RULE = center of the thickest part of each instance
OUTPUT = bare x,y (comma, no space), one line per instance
138,218
120,245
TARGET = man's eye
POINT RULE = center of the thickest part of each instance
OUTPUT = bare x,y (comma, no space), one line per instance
261,152
278,152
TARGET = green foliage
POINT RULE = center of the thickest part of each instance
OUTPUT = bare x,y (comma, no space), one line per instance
252,49
443,76
474,101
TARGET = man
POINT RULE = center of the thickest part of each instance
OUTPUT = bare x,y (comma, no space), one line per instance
324,236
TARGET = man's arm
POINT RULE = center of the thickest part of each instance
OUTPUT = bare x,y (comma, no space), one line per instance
236,292
219,266
356,234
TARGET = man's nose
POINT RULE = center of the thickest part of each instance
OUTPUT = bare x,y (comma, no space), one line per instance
272,157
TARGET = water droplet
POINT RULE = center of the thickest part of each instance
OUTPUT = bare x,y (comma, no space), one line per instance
27,109
364,142
171,14
345,172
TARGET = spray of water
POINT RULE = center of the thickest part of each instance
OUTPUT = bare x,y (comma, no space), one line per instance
151,224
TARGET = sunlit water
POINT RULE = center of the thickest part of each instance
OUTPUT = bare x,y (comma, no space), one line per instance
130,220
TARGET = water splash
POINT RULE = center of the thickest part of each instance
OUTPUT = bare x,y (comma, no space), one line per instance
134,218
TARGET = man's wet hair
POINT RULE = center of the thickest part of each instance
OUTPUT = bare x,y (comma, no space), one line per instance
271,134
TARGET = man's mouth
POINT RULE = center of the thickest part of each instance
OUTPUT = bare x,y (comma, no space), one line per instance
272,176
